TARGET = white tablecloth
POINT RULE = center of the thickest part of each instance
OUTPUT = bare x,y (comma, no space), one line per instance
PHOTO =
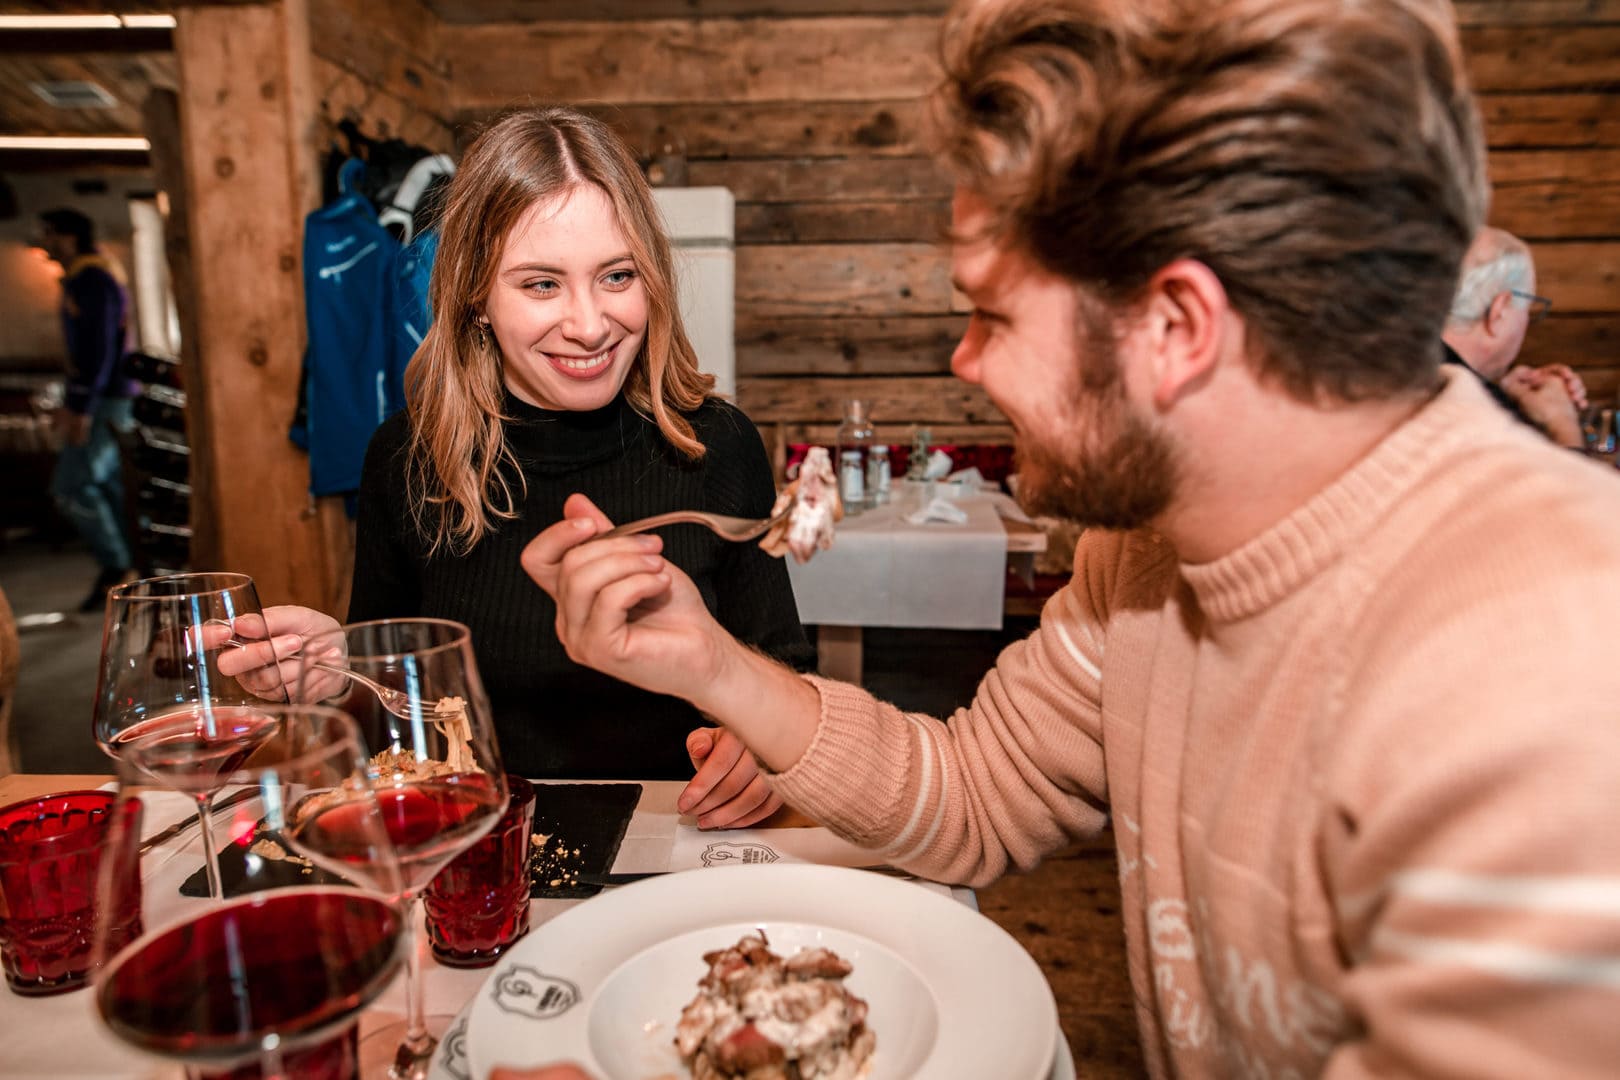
884,571
58,1038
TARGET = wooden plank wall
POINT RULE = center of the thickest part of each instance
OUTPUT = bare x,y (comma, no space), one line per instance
842,289
379,64
815,124
1548,77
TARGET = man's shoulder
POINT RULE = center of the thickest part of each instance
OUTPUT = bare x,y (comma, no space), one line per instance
1517,541
1116,571
1495,500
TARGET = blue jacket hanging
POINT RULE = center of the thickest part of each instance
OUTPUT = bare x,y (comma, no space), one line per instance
349,260
408,311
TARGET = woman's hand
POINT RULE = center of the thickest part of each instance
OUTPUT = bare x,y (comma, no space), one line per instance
266,656
728,792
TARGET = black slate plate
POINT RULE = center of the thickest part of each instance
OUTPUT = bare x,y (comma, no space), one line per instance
237,865
586,822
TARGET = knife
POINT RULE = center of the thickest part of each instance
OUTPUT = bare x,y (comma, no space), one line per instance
163,836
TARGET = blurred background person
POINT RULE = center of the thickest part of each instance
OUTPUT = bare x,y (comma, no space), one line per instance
1495,304
98,407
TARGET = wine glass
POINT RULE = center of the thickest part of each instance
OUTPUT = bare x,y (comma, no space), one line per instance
161,697
269,980
413,685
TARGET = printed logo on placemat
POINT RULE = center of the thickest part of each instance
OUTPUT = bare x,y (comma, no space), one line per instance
726,853
453,1051
527,992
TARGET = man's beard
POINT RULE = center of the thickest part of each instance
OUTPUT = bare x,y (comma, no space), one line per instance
1106,467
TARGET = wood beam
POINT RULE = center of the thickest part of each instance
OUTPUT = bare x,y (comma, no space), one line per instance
62,160
67,42
247,177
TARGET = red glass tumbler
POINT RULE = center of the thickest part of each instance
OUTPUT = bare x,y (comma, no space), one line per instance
51,850
478,905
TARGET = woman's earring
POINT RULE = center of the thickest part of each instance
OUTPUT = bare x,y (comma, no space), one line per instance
483,334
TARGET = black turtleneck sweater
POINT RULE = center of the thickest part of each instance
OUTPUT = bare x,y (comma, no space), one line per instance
555,718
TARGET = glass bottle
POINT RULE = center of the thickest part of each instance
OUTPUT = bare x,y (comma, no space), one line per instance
855,438
877,475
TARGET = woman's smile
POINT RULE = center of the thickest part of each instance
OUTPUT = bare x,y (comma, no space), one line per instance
568,309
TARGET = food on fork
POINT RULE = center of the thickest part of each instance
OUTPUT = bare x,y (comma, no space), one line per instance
761,1017
813,496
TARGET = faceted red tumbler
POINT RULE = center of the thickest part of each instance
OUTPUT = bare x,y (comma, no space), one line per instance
51,853
479,904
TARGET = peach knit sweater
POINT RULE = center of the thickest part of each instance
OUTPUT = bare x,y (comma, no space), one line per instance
1364,772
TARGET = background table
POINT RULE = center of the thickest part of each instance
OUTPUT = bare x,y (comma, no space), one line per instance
885,571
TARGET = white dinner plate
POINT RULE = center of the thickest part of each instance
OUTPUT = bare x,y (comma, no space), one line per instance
952,996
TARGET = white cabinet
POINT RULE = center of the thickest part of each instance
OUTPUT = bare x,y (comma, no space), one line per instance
702,230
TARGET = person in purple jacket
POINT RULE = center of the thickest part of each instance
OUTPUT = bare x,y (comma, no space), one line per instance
95,315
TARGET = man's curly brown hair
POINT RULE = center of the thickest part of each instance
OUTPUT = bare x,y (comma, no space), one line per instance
1322,157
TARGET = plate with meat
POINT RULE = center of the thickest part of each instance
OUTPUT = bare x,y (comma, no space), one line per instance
770,972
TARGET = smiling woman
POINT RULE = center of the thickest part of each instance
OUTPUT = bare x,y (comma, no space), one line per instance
568,310
557,363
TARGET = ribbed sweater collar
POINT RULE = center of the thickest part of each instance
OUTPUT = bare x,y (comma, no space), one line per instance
566,440
1272,566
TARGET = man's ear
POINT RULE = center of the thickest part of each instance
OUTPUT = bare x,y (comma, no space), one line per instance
1185,321
1495,312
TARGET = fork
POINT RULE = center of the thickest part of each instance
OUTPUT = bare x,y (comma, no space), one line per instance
395,701
735,529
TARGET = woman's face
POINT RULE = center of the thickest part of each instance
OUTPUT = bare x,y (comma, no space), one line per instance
568,308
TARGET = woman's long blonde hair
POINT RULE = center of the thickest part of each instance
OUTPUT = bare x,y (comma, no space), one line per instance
456,481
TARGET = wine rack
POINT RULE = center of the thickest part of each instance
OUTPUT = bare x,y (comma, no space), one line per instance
157,468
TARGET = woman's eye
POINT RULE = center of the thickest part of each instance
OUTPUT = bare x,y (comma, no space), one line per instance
619,278
543,285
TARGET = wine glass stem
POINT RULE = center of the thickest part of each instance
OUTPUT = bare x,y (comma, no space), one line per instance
205,812
417,1045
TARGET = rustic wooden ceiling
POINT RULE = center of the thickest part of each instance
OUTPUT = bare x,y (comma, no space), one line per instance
128,74
127,77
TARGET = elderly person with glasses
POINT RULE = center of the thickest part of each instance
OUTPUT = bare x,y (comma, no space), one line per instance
1495,304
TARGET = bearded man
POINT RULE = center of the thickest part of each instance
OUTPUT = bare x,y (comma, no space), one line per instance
1336,654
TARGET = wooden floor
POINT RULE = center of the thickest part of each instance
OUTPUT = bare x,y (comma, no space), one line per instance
1066,913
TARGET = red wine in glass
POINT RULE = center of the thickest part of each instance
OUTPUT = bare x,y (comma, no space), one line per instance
429,822
293,964
190,748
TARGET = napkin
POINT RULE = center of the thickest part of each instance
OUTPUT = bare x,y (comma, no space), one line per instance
939,464
939,510
733,847
696,848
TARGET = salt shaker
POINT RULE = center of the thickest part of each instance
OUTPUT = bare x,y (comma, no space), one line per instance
877,474
851,481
